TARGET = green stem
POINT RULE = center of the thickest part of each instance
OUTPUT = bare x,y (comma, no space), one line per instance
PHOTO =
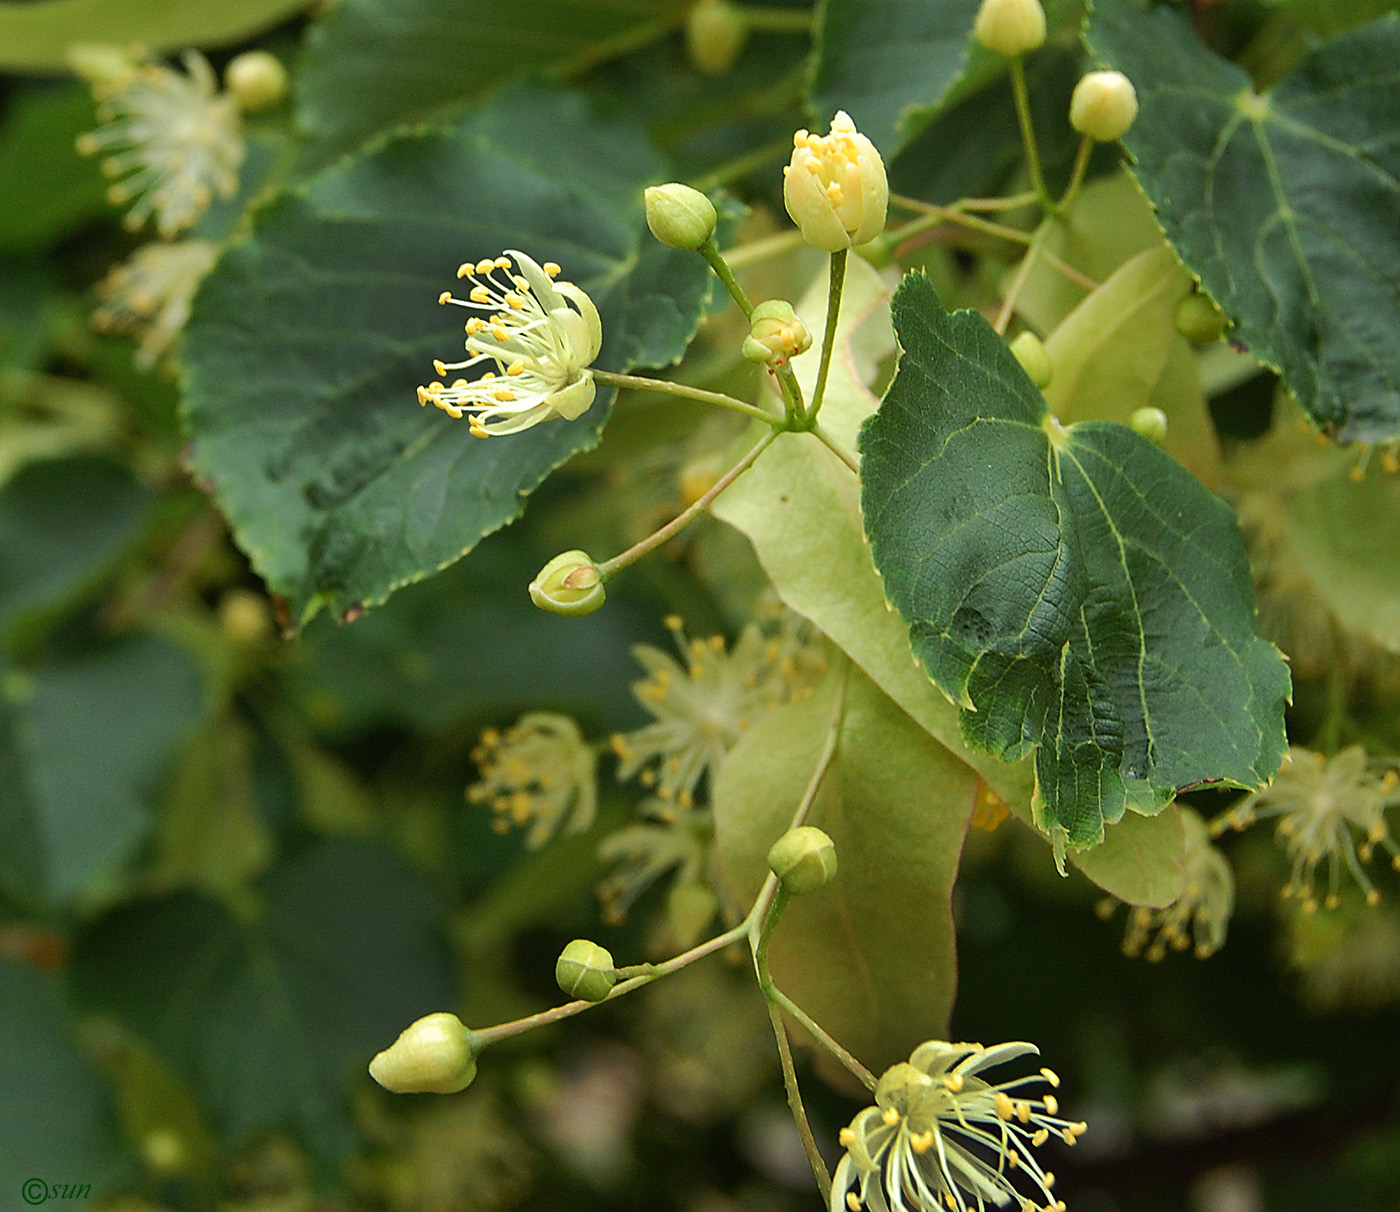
820,1035
666,386
1077,174
741,166
1023,117
490,1035
610,568
836,448
744,255
778,20
1018,283
835,284
710,251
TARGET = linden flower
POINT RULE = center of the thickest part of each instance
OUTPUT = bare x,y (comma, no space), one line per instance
540,773
703,707
835,187
941,1137
149,294
173,138
1202,912
1321,807
666,839
540,346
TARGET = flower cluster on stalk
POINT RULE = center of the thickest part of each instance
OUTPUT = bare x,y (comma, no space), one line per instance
537,774
940,1136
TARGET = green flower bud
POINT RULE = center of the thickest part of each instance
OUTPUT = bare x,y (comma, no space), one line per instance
245,616
1151,423
1034,358
1103,106
803,859
680,217
715,33
1199,320
776,333
568,584
436,1055
257,80
1010,27
585,970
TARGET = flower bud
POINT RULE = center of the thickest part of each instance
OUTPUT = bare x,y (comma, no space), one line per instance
715,33
1103,106
1034,358
1010,27
245,616
436,1055
1151,423
680,217
568,584
1199,320
803,859
585,970
257,80
776,333
835,187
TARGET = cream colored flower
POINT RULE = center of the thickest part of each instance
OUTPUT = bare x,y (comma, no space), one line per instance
149,294
540,335
539,774
1323,807
835,187
940,1138
172,138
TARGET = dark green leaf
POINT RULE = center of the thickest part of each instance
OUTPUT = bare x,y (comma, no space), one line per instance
307,340
60,522
80,746
56,1119
373,64
1074,590
1284,205
272,1017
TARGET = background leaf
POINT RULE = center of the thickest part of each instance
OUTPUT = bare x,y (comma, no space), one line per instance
271,1015
56,1119
307,339
872,955
36,37
373,64
1342,533
1074,590
60,522
1276,201
81,745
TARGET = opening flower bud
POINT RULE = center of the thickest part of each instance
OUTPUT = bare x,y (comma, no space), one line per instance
568,584
1010,27
1034,358
585,970
1151,423
803,859
680,217
715,33
835,187
1199,320
1103,106
436,1055
257,80
776,333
